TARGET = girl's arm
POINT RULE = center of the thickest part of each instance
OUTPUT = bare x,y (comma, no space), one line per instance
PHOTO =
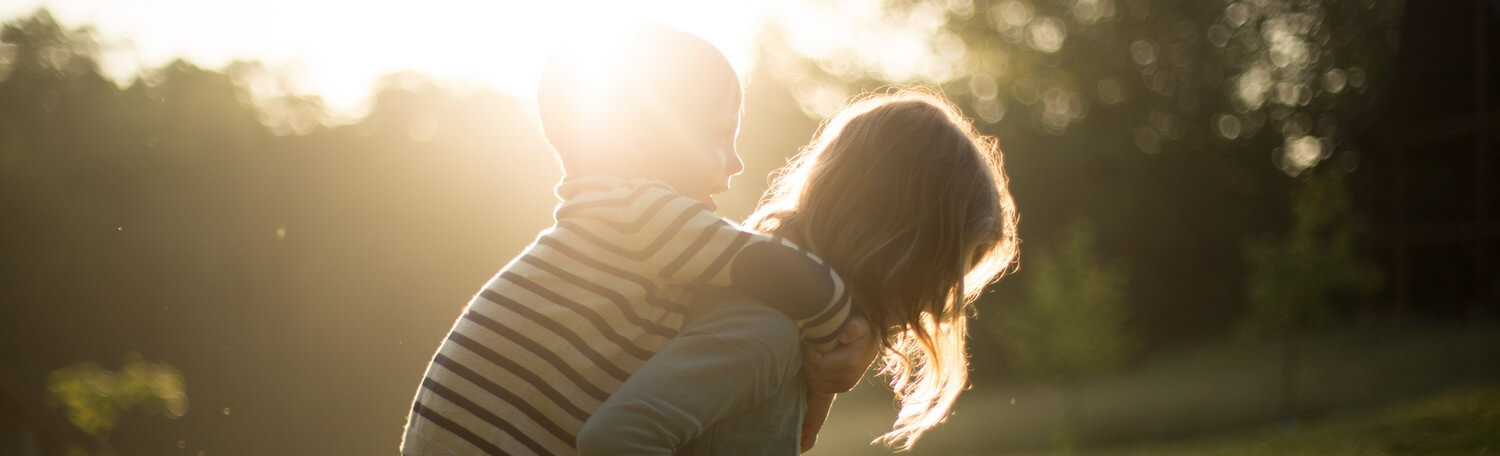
732,357
835,372
818,406
735,364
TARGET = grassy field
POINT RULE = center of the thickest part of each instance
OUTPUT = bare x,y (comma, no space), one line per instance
1463,422
1401,384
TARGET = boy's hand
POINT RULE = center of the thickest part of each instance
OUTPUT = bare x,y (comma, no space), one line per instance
839,371
818,406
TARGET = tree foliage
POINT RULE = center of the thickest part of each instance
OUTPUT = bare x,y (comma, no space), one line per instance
1071,321
1176,125
95,397
1164,74
1297,278
179,213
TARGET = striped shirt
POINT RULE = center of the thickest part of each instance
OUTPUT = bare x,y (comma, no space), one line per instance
552,335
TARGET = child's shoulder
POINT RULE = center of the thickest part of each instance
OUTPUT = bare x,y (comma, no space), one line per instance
597,187
789,245
621,199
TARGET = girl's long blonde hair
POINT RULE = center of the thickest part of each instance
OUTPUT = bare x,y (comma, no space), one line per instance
902,196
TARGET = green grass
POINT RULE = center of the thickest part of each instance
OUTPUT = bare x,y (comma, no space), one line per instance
1372,390
1465,422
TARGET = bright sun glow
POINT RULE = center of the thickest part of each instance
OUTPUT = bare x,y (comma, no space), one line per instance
597,43
339,48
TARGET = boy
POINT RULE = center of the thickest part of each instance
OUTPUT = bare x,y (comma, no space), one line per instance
644,146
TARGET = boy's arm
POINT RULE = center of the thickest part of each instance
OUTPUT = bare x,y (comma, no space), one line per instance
689,245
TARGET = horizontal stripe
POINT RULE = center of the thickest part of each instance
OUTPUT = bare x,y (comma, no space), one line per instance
568,209
495,420
457,429
573,254
791,244
644,218
579,309
825,339
483,414
619,300
838,304
647,285
643,253
531,346
740,239
676,226
531,378
693,249
556,328
495,389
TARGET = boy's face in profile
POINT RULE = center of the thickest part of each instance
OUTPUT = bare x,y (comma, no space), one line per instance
660,103
710,160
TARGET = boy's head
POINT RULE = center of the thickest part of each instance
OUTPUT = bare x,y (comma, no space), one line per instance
644,101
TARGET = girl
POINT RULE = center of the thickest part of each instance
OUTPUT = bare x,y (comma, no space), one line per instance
901,196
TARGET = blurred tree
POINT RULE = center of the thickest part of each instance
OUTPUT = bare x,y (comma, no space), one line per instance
1156,118
212,217
94,397
1071,322
1185,73
1296,279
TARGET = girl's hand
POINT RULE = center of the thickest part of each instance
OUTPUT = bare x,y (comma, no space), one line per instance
839,371
818,406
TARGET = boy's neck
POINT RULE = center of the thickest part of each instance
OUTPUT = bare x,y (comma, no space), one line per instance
574,184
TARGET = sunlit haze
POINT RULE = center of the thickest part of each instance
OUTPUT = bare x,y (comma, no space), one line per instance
339,48
1249,226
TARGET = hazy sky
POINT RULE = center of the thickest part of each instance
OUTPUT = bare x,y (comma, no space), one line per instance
337,48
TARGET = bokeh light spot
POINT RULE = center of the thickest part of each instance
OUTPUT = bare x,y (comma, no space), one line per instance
1335,80
1147,140
1048,34
1301,154
1110,91
1227,126
1142,52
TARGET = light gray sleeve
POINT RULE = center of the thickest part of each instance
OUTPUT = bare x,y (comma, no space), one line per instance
734,357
